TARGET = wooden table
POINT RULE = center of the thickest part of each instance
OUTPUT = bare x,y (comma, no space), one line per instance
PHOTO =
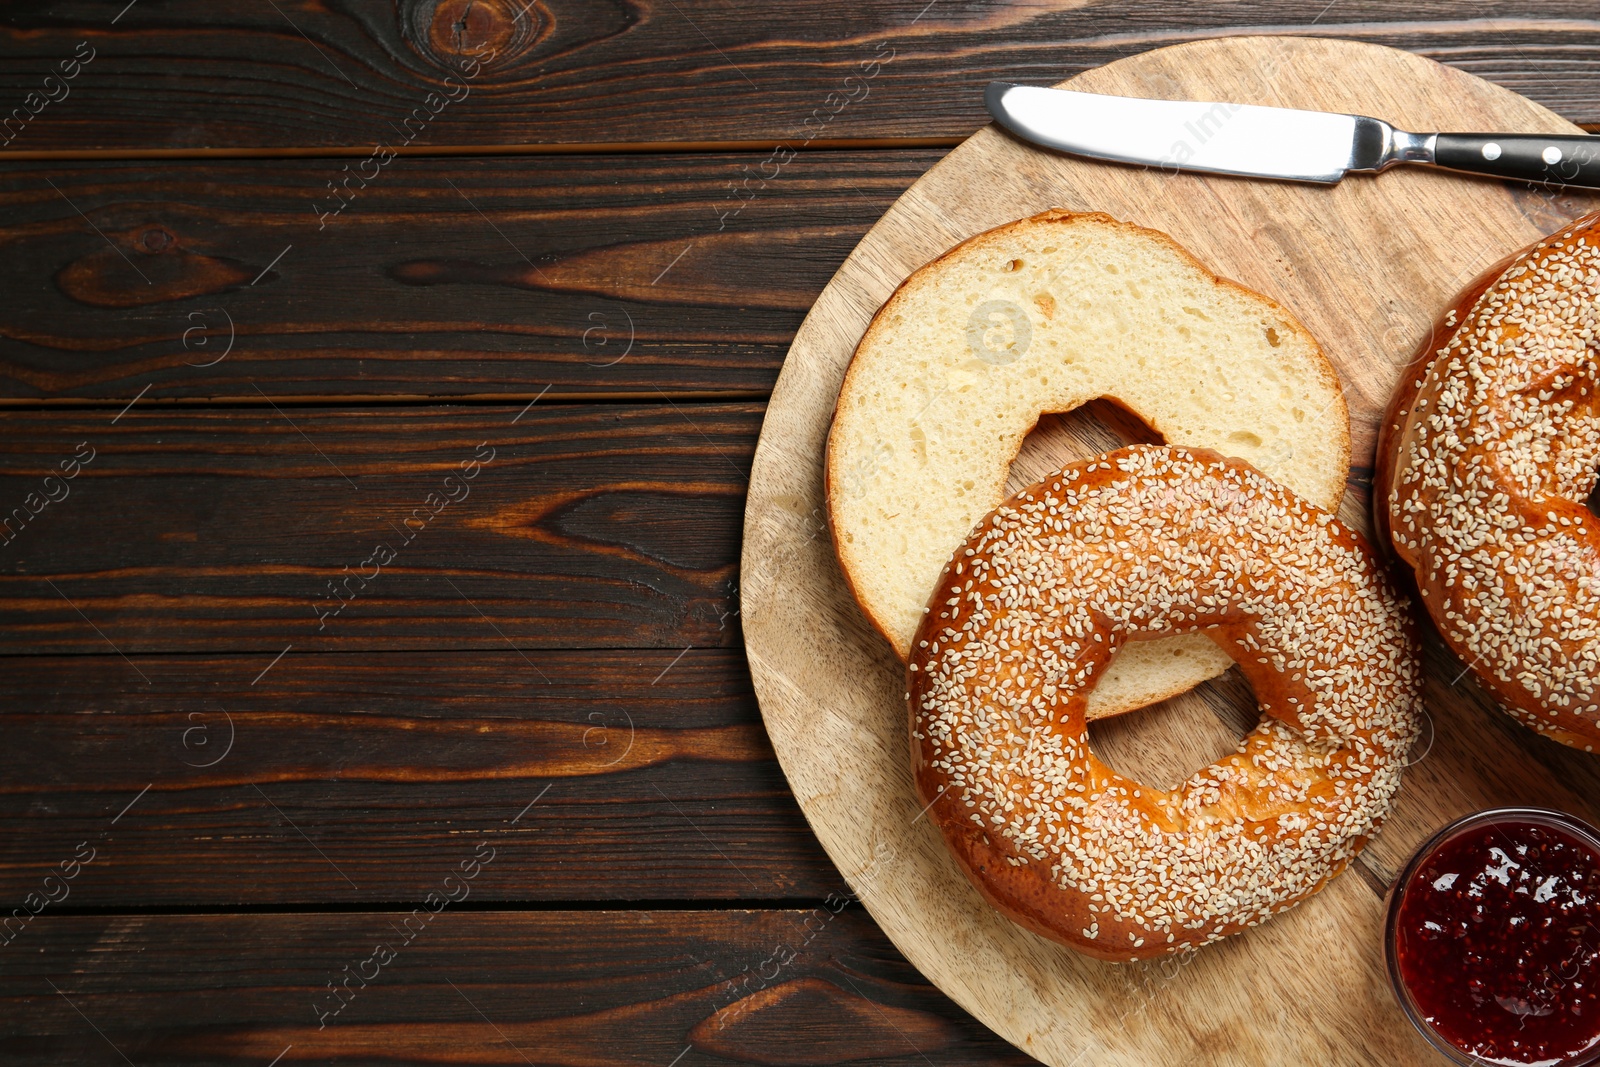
369,516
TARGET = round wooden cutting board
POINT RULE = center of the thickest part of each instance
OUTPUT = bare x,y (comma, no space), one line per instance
1366,265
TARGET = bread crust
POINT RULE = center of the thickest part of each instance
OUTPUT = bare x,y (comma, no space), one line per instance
852,557
1071,567
1414,514
1405,395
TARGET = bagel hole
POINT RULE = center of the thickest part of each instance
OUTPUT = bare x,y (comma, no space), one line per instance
1164,744
1059,438
1593,501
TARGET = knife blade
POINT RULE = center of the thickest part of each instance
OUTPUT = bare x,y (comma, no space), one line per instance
1214,137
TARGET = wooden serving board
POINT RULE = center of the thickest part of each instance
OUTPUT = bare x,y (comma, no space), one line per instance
1366,265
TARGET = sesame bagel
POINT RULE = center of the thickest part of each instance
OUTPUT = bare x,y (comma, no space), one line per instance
1044,315
1491,447
1141,543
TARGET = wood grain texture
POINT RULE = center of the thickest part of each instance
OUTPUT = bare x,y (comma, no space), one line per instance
1365,266
251,529
233,73
355,778
604,989
590,275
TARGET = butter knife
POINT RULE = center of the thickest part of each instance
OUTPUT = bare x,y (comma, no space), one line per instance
1275,142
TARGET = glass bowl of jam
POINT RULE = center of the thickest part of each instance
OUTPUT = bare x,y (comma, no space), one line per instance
1493,939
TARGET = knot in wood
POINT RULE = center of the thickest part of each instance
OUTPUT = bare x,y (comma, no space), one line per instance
155,239
451,33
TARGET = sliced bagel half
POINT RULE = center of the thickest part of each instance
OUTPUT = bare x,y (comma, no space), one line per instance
1043,315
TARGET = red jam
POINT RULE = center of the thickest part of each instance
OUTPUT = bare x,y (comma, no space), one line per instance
1497,939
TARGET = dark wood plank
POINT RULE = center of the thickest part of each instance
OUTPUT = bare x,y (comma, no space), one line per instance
235,73
589,275
813,986
252,529
596,775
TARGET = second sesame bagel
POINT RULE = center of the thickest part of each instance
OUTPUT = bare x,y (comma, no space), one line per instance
1488,457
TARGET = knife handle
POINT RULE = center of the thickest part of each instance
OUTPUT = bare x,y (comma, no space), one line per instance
1552,159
